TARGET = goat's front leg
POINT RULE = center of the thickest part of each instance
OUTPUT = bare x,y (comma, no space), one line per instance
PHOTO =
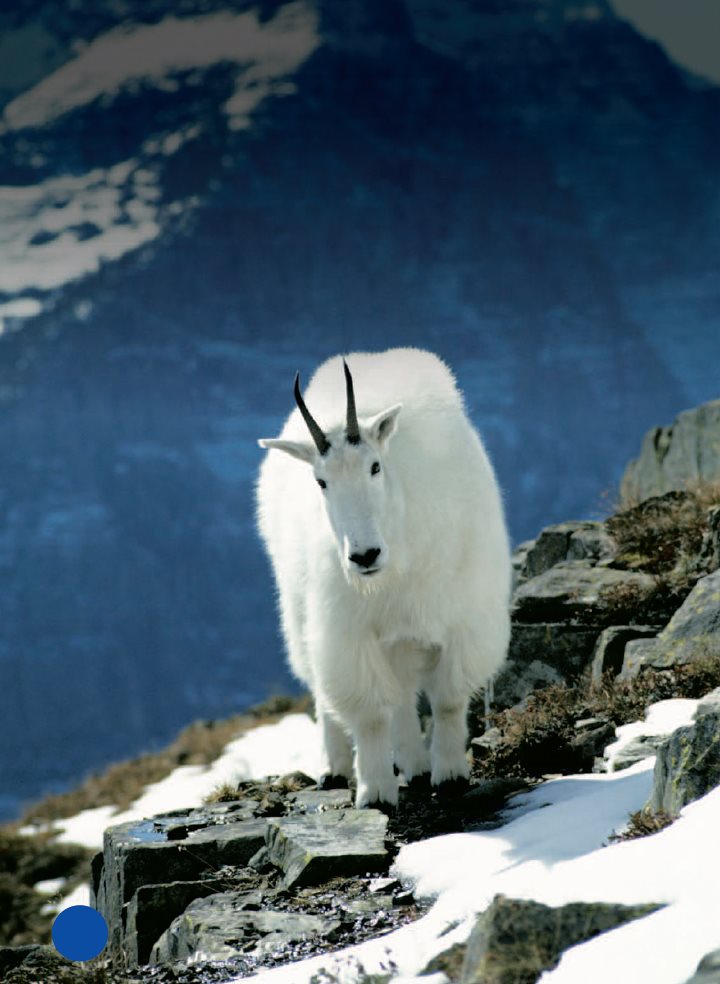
337,765
377,784
450,769
411,754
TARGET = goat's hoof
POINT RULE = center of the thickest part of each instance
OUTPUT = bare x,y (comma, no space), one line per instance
420,783
452,788
387,808
332,782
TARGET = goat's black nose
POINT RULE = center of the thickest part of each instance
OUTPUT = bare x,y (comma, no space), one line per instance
366,559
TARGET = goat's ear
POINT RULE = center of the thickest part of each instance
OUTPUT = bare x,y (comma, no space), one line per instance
382,426
298,449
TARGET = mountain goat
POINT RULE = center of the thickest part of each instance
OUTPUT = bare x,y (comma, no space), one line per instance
385,528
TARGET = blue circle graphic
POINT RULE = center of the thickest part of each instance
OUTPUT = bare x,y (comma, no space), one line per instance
79,933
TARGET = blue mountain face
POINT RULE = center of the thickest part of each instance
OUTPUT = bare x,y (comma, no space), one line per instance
197,199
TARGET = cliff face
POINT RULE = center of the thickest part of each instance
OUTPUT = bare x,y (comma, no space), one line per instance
686,452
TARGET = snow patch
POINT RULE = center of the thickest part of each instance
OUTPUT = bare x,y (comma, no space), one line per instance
274,749
661,719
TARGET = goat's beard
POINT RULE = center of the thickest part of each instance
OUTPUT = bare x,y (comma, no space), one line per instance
365,584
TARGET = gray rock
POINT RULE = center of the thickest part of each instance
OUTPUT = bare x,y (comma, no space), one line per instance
671,457
637,750
638,654
688,762
311,849
33,964
516,940
516,680
694,630
139,854
487,742
578,540
609,652
518,562
591,542
152,909
219,927
448,962
576,590
591,740
542,653
708,971
710,549
14,956
489,796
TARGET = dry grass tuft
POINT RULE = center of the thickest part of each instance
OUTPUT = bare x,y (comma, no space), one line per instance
224,793
643,823
23,862
538,738
664,535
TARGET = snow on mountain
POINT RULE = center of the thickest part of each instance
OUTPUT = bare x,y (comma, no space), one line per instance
61,229
155,54
56,231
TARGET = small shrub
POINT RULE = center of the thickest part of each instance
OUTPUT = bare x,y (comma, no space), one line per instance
538,737
642,823
224,793
665,533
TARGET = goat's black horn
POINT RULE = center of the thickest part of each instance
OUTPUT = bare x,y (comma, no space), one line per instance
322,443
352,427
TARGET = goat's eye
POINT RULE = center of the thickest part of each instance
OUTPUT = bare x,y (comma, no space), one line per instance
375,468
322,483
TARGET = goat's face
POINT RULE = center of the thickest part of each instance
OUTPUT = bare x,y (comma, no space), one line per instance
360,498
361,508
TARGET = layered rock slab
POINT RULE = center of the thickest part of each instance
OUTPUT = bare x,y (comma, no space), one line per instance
230,924
313,848
186,847
694,629
576,590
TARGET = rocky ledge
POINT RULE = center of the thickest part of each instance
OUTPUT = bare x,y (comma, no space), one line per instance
283,871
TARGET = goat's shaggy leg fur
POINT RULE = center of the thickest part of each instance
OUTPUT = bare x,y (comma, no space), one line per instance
377,784
448,695
336,751
412,756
